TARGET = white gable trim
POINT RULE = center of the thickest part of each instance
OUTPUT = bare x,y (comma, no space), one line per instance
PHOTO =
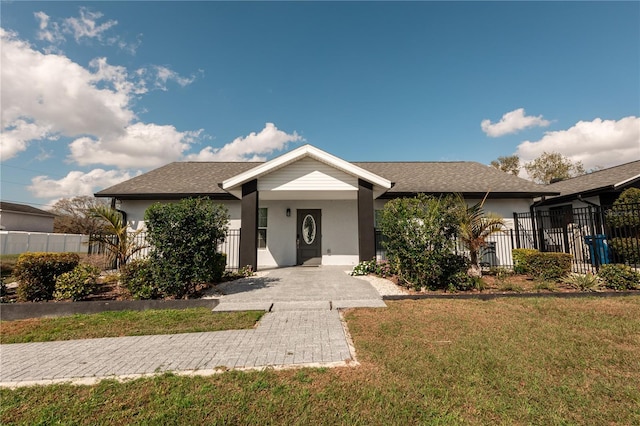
297,154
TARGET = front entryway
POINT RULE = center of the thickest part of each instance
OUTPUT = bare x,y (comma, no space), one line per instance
309,237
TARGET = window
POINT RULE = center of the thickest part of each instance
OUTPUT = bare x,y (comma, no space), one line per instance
262,228
377,217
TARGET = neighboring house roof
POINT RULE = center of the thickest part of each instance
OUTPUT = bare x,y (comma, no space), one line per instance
24,209
614,178
181,179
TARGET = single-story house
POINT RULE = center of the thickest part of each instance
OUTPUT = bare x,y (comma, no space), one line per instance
310,207
599,188
21,217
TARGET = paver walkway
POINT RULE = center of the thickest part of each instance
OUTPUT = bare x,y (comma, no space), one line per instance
304,328
300,288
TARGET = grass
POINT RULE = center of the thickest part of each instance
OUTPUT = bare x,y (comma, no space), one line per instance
125,323
506,361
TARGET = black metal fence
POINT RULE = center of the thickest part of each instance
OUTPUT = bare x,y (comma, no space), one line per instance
97,248
496,253
594,236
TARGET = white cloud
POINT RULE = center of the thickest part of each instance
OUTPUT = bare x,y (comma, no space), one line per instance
54,93
45,96
87,26
254,147
140,145
164,74
595,143
51,34
512,122
76,183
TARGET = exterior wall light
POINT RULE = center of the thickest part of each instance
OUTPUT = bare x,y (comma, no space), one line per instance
288,212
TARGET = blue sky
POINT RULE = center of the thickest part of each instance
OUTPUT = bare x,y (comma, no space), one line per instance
95,93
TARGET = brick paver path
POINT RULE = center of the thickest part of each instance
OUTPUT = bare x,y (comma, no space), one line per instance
303,327
281,339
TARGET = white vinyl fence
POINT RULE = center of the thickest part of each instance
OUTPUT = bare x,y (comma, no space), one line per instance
16,242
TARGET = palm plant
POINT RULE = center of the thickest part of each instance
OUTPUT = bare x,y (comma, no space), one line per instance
119,242
474,228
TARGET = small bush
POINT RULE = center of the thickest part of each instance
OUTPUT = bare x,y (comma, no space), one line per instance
77,284
583,282
619,277
382,269
137,277
245,271
462,281
548,266
626,249
37,273
520,265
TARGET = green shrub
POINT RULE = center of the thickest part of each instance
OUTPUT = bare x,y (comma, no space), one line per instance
462,281
37,272
583,282
421,243
547,265
184,237
626,249
137,277
520,265
77,284
619,277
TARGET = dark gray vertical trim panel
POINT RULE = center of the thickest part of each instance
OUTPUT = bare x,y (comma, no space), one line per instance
249,225
366,233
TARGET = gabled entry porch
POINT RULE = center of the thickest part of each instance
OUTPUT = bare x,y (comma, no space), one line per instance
306,207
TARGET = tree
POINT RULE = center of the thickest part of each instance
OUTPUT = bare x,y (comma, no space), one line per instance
119,242
420,241
553,165
73,215
184,239
509,164
474,228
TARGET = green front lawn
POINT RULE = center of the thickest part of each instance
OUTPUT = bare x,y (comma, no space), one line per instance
125,323
506,361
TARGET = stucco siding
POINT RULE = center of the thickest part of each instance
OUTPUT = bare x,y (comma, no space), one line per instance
339,224
135,211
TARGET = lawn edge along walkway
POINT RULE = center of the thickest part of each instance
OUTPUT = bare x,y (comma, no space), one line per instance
491,296
18,311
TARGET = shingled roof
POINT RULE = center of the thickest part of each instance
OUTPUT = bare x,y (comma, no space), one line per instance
23,208
612,179
464,177
181,179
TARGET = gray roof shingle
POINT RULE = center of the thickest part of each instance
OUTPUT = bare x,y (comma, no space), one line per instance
602,179
202,178
23,208
466,177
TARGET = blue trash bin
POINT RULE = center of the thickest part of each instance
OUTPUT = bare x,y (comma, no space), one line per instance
598,249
